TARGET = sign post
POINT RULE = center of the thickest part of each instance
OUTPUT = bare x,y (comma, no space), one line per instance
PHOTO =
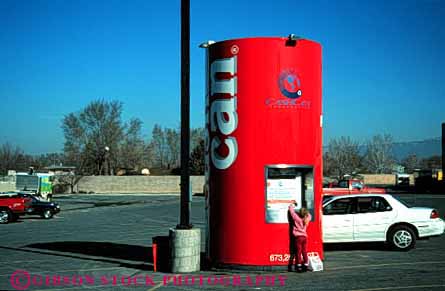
185,241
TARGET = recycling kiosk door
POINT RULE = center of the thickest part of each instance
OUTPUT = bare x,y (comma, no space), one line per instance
263,148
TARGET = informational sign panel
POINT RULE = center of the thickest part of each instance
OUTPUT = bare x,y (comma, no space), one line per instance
280,193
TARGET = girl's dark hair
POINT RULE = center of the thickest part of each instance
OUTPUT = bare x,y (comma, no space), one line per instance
304,212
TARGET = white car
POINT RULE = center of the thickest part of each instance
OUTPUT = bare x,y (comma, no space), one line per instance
378,217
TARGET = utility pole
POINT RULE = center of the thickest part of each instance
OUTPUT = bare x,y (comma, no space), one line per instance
185,241
443,154
185,115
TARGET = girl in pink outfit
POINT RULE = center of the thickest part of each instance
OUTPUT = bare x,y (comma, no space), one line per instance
299,225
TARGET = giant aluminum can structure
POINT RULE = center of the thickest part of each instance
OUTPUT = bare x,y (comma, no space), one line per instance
263,148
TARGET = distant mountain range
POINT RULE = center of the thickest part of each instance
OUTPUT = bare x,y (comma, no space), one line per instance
422,149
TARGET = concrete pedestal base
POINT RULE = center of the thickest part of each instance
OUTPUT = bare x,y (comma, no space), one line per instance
185,250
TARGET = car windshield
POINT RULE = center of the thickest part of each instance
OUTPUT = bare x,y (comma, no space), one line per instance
357,185
327,198
342,184
401,201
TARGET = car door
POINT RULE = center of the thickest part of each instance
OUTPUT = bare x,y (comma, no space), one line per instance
374,215
338,220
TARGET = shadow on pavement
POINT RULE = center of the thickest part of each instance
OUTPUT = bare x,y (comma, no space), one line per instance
377,246
99,249
127,256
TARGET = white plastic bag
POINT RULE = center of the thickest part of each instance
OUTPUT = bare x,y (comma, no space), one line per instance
315,263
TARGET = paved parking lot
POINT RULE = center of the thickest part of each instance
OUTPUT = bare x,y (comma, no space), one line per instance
103,242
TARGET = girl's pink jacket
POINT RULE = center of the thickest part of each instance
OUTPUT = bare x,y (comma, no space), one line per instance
298,227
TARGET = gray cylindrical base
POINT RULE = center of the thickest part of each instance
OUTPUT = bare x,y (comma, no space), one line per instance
185,250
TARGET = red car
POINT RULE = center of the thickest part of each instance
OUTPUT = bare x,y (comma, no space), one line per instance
12,206
351,186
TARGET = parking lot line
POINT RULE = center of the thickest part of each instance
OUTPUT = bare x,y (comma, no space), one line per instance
156,287
400,287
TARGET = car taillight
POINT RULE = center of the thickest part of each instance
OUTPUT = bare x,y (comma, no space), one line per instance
434,214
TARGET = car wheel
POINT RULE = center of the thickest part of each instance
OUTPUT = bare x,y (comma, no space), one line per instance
5,216
14,217
402,238
47,214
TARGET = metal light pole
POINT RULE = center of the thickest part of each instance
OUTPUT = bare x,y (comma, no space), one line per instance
107,160
185,115
443,154
184,240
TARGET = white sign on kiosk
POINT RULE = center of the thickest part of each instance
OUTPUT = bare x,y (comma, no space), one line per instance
279,194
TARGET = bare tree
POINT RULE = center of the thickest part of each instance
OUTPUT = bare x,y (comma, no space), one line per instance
328,165
98,142
164,149
149,156
159,146
379,158
410,163
433,162
75,141
14,158
173,144
9,157
197,159
131,150
342,157
49,159
67,180
196,136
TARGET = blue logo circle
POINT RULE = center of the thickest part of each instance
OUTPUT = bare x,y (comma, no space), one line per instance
290,84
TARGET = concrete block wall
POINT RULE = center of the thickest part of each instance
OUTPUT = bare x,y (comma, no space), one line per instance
379,179
383,179
136,184
7,186
166,184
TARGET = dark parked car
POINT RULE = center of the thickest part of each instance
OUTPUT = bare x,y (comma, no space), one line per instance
41,207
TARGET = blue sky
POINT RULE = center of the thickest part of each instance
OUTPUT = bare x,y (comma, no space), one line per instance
383,61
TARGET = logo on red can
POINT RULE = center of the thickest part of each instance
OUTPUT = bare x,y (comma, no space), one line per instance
290,84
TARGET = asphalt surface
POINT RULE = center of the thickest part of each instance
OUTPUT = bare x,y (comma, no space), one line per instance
103,242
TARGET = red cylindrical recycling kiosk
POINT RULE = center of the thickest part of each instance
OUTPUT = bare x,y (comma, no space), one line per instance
263,148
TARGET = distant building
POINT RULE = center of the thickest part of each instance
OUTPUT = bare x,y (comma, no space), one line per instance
60,170
398,169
